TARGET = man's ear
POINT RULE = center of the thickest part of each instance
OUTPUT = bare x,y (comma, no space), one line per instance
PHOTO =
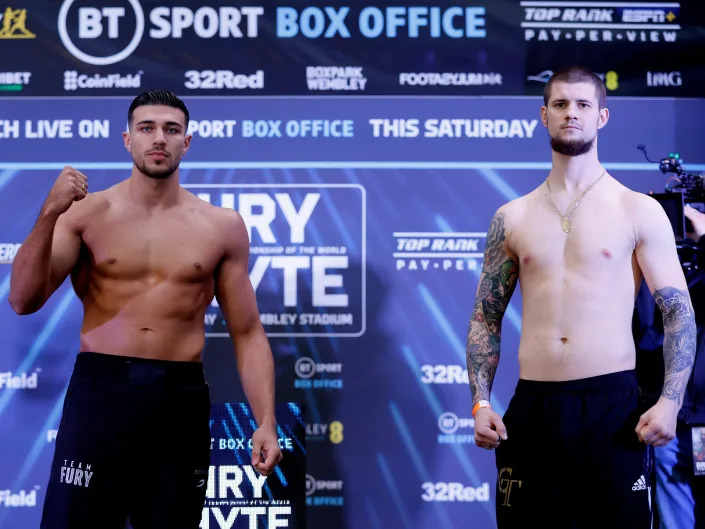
187,143
604,117
126,138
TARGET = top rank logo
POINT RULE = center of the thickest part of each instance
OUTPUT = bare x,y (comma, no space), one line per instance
13,24
600,22
423,251
101,28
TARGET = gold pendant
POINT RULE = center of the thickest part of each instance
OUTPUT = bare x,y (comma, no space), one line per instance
566,225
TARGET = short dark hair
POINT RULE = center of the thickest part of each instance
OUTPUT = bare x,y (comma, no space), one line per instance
577,74
157,97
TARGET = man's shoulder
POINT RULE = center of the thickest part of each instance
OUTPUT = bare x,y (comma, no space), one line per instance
213,213
513,210
224,221
94,205
639,204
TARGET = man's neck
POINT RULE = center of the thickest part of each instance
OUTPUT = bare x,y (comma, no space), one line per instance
570,173
153,193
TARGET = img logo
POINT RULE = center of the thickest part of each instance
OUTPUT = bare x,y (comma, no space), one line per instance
76,473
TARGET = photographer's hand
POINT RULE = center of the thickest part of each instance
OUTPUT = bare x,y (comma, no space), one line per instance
698,221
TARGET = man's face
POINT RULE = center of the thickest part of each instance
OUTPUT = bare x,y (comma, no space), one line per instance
157,139
572,117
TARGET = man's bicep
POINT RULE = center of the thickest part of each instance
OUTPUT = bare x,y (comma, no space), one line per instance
657,256
500,272
233,289
65,249
236,296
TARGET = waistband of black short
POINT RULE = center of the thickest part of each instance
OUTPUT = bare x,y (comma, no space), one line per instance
601,383
135,370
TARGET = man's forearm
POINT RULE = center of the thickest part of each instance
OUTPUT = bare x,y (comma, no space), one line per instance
31,267
498,279
482,356
678,341
256,369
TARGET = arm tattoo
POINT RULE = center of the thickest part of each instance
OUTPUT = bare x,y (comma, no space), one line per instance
497,281
679,335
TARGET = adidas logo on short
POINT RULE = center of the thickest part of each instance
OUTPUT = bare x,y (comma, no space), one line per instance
640,484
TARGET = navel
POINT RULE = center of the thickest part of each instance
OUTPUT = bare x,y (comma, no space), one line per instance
564,340
112,260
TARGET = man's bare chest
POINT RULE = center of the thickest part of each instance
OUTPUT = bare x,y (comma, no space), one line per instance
601,241
179,250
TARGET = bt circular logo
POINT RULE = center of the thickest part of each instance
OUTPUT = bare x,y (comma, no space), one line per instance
92,23
448,422
305,367
310,485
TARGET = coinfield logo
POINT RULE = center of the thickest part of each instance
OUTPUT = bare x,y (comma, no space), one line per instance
8,251
19,381
19,499
75,81
123,27
13,24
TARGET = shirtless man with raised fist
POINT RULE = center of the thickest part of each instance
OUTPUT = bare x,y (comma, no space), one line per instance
145,258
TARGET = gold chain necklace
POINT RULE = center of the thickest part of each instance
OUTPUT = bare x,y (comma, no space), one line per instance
566,223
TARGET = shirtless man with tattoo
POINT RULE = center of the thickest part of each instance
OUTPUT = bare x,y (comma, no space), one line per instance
573,450
145,258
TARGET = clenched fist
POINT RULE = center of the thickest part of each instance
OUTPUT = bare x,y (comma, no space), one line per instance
70,185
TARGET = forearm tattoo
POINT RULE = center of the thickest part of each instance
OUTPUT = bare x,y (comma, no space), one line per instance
497,282
679,336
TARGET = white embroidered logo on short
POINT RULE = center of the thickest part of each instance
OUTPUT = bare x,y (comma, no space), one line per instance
640,483
76,473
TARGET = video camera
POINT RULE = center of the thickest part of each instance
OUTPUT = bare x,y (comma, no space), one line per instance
680,189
